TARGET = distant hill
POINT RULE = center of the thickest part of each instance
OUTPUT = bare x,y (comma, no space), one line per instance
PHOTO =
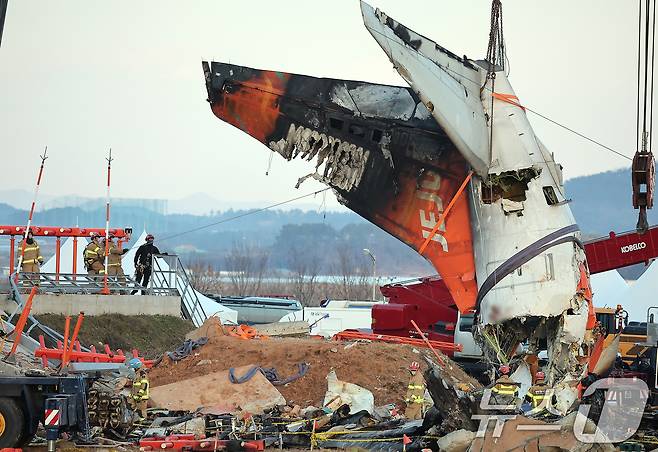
601,203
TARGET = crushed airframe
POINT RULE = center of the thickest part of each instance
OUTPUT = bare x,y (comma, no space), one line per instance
509,248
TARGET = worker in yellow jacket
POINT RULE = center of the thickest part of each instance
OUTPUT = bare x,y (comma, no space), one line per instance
415,397
505,391
140,392
114,260
538,395
32,257
94,256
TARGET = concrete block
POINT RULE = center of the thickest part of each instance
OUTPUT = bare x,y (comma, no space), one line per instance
299,329
72,304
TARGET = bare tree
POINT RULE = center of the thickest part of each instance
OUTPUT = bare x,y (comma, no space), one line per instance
351,274
247,264
204,277
305,267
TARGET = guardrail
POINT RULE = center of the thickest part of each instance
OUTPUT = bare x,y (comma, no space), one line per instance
32,321
170,274
63,283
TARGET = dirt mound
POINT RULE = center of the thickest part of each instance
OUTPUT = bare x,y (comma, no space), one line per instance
380,368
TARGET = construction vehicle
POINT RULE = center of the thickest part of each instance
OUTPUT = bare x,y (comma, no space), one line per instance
58,402
645,356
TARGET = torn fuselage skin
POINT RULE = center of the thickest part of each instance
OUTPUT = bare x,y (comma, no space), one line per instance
516,201
377,146
544,302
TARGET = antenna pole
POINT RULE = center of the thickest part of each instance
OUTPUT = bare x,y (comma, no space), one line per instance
106,290
31,214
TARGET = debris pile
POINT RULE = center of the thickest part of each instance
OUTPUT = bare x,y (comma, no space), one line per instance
248,391
381,368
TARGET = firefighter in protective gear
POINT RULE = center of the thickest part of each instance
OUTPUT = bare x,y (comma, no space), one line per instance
143,262
93,256
415,397
32,257
140,387
538,395
114,260
505,391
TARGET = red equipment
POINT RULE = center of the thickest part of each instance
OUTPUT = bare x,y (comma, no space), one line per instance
190,442
414,366
428,302
74,353
351,335
57,231
22,320
621,250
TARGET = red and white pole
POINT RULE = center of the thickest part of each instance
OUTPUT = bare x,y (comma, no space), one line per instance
29,218
106,290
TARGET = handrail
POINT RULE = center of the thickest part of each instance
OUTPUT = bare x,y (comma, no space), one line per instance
191,307
77,283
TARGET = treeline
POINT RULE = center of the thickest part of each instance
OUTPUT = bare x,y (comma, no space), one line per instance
321,249
601,203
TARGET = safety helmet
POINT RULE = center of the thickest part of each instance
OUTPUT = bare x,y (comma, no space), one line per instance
504,369
135,363
540,375
149,237
94,235
414,366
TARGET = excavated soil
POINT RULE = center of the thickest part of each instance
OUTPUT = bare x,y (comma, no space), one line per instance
380,368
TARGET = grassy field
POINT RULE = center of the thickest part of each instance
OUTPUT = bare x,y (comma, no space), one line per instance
151,335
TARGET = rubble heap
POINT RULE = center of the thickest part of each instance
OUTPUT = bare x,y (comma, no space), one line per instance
380,368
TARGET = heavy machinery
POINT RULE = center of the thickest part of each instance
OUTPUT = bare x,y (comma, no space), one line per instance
428,302
58,402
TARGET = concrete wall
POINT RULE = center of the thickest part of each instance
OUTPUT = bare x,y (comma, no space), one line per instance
103,304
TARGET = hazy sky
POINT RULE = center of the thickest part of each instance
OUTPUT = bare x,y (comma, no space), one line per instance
81,76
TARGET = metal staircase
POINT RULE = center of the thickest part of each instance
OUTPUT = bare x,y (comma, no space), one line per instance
169,275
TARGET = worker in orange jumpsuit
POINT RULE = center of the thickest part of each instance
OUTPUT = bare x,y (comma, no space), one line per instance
32,257
415,397
93,256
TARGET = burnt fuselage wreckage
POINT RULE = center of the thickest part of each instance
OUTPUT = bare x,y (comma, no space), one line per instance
451,166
